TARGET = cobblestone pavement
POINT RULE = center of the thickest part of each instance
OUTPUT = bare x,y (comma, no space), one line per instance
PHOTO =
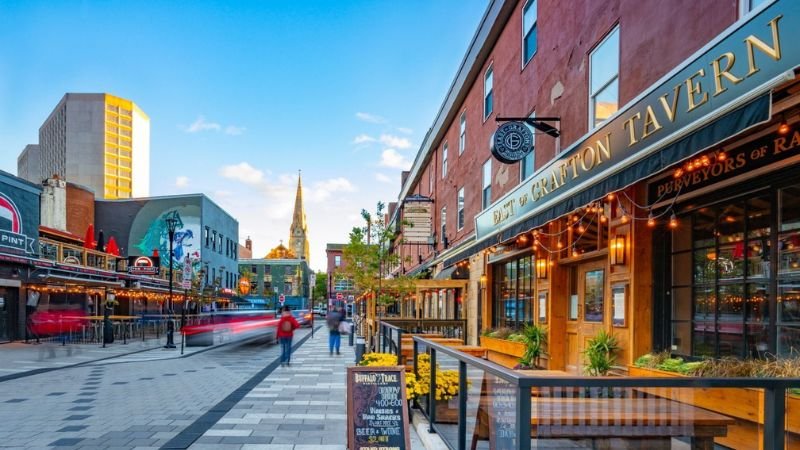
297,407
136,404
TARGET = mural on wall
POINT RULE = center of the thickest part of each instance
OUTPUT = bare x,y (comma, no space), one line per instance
150,233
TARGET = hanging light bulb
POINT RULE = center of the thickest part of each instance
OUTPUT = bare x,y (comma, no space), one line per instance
559,244
783,128
611,196
581,228
721,156
574,250
624,218
673,221
603,218
651,222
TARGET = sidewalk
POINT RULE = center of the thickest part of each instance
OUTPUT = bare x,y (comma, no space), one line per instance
301,407
21,359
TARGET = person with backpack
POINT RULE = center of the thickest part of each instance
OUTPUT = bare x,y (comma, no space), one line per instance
286,326
333,319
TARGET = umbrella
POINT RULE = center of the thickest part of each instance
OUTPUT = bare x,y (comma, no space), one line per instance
112,247
88,239
101,243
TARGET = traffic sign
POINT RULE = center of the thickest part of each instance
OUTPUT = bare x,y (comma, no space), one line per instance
339,296
281,299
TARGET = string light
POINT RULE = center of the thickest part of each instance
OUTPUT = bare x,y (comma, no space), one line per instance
651,222
783,128
611,196
673,221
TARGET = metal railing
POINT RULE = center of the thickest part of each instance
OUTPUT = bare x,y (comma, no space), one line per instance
391,332
518,409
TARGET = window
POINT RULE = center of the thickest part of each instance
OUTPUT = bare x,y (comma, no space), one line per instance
220,243
486,193
430,180
206,235
513,293
462,133
337,260
745,6
528,31
488,84
443,227
444,160
254,269
460,217
526,166
604,79
214,241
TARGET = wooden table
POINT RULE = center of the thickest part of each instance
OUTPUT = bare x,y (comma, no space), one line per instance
632,422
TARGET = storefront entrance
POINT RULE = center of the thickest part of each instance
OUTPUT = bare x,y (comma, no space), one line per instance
8,300
586,314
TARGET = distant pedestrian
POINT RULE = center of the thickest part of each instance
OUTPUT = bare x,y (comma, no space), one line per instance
286,326
334,337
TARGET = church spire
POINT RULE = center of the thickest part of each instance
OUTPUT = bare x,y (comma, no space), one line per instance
298,233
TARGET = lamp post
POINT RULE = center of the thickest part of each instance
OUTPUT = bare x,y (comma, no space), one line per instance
172,223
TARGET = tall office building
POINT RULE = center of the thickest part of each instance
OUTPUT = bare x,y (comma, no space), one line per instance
96,140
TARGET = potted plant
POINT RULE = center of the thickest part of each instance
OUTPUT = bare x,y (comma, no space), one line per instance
535,338
600,354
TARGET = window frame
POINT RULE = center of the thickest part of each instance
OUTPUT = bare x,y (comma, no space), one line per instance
460,207
486,202
608,82
444,159
745,7
442,224
534,28
489,72
462,133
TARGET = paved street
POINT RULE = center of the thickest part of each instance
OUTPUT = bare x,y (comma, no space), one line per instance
227,397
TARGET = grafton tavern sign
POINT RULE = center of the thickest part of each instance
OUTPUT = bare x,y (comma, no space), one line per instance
739,66
511,142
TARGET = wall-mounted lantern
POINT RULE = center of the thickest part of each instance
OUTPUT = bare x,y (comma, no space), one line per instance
542,267
617,249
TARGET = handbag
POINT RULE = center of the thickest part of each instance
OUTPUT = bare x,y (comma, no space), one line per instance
344,327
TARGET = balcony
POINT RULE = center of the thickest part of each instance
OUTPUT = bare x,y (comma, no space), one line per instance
64,253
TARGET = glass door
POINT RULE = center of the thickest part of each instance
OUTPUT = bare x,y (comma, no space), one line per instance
587,310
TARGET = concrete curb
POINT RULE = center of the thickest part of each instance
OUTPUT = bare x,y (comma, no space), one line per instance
431,441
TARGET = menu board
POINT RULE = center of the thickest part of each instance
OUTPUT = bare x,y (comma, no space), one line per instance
502,413
377,409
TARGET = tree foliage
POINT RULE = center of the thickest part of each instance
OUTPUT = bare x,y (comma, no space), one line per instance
368,258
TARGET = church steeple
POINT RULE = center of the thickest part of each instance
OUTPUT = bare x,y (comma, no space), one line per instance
298,232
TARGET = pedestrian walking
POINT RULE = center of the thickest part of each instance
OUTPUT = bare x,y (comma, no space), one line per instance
334,319
286,326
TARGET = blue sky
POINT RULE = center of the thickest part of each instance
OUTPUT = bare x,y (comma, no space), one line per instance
243,94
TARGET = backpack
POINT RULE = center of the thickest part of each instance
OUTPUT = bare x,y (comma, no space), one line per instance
286,325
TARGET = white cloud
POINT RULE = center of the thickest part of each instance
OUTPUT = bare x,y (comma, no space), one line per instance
201,124
233,130
322,190
363,139
370,118
182,181
382,178
390,158
243,172
404,130
395,141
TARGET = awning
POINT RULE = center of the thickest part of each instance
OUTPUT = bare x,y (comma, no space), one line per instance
731,124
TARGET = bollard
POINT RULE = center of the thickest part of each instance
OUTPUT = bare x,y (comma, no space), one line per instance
170,334
360,347
352,332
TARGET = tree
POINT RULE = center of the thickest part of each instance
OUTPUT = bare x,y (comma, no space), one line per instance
320,290
368,257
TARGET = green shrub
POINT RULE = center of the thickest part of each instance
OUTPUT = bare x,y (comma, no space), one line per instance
600,354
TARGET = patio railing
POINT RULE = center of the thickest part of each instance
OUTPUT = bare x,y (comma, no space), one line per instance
391,332
495,407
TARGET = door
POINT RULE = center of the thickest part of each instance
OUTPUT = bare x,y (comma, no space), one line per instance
587,311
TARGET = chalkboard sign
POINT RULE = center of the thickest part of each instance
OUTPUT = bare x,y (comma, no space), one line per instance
502,413
377,410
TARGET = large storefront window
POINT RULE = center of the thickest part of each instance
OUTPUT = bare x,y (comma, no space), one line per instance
513,293
722,279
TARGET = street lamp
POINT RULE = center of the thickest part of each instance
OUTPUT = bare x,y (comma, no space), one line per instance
172,223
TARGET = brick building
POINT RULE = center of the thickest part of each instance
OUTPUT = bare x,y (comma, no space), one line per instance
591,229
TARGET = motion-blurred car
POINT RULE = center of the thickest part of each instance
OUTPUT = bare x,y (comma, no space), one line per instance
302,316
320,311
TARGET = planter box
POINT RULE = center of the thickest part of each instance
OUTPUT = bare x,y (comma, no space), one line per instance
744,404
503,352
447,410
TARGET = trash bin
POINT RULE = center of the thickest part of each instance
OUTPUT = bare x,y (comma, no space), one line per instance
360,347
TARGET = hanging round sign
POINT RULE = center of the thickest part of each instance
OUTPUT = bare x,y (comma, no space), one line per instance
511,142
